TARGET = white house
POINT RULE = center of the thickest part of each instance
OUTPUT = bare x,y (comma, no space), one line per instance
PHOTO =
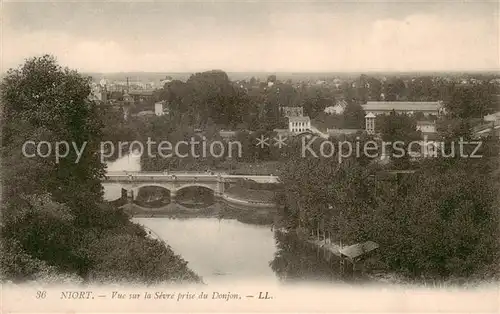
426,126
338,108
299,124
160,108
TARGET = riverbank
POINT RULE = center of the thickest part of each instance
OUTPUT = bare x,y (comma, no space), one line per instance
370,273
251,196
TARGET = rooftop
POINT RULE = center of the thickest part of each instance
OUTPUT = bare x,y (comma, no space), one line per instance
141,92
281,130
359,249
425,122
402,105
299,119
342,131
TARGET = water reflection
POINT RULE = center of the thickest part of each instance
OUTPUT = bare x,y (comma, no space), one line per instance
195,197
152,197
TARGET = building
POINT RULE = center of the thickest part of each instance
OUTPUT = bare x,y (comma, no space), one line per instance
338,108
406,107
426,127
141,96
127,104
161,108
370,123
228,135
299,124
494,117
98,93
129,100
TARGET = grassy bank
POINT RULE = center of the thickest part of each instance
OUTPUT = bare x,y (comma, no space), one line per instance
242,193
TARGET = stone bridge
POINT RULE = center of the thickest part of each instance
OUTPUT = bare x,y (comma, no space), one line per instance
173,181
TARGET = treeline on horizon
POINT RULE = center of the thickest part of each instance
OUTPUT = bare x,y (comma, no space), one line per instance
293,75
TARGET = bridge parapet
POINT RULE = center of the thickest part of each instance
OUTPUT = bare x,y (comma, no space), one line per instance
159,179
177,176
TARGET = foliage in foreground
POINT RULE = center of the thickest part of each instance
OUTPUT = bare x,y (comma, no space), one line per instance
54,218
440,222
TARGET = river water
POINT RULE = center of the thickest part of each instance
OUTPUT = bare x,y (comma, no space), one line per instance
217,250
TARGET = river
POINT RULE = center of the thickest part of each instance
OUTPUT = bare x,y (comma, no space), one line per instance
218,250
228,251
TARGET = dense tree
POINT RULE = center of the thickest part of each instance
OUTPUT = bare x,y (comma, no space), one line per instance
399,128
316,99
207,95
394,89
470,102
374,89
438,223
354,116
423,89
44,102
271,78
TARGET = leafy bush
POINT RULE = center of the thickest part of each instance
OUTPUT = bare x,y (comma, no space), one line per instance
127,257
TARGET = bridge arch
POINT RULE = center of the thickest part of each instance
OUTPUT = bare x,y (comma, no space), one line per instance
194,194
196,185
136,188
159,185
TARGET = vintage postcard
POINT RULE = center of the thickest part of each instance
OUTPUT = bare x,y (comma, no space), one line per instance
250,156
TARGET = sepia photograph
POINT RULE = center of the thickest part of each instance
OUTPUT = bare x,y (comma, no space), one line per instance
249,156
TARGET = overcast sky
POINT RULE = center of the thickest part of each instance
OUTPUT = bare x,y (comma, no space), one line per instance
255,36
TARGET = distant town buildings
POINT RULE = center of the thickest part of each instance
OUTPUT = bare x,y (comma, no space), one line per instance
142,96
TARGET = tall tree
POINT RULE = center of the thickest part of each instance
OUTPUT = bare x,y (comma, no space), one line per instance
53,211
399,128
354,116
45,102
470,102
